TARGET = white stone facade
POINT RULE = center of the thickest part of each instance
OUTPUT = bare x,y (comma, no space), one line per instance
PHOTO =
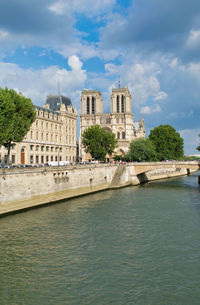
119,121
51,138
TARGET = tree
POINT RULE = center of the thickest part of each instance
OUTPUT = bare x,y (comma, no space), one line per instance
98,142
198,147
17,113
168,143
141,150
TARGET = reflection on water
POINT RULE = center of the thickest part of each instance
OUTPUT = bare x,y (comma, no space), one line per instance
136,245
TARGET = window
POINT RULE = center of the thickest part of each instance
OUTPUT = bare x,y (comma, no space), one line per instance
88,105
37,159
51,158
118,103
31,147
37,148
42,148
47,158
93,105
31,134
122,103
46,125
47,148
13,159
31,159
118,135
123,135
51,148
42,159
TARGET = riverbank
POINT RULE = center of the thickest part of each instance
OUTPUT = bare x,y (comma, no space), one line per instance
23,189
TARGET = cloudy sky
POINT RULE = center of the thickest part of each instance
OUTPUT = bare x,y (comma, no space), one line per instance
152,46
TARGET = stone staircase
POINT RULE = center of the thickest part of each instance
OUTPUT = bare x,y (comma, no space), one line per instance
116,181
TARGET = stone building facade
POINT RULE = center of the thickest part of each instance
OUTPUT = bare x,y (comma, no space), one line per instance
51,138
119,121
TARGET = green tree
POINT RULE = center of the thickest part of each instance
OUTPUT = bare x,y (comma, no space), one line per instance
141,150
17,113
168,143
198,147
98,142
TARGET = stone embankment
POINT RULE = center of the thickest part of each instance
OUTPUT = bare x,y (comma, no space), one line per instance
26,188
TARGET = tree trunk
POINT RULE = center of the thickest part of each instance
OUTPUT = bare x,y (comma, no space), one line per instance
8,158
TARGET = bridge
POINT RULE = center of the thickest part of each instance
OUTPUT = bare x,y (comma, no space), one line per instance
140,172
144,167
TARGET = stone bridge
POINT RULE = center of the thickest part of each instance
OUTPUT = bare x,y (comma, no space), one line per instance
145,167
149,171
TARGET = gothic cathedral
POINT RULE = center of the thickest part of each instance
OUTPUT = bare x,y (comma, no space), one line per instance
119,121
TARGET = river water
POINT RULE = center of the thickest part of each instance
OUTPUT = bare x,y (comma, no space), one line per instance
136,245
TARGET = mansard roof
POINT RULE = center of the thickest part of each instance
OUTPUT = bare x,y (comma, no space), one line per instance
55,101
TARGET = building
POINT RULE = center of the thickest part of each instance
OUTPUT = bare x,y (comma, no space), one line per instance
119,121
51,138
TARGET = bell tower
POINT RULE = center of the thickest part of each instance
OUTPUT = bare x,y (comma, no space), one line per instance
121,100
91,102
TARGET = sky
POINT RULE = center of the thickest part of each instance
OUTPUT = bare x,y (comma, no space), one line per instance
151,46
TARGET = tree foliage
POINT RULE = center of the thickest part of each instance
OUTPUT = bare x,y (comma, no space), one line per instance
168,143
17,113
98,142
141,150
198,147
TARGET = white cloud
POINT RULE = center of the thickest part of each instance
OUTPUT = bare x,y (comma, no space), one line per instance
142,81
174,63
193,40
191,140
75,63
3,34
89,7
150,110
37,84
161,95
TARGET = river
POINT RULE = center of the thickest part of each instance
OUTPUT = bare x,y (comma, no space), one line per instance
136,245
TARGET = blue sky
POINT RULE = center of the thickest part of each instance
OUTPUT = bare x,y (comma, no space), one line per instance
152,46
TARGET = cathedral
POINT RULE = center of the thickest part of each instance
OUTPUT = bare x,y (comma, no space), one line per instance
119,121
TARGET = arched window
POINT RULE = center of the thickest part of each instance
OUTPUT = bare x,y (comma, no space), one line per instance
93,105
118,135
122,103
88,105
123,135
118,103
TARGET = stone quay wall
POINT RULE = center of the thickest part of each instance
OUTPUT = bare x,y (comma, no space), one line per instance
26,188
